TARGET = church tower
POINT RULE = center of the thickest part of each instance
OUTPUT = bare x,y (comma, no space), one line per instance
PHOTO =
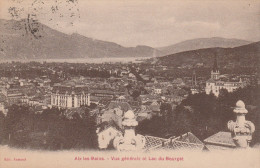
215,71
194,88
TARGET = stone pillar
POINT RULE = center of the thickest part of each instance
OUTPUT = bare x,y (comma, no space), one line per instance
241,129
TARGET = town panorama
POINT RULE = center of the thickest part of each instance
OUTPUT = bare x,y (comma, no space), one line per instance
198,94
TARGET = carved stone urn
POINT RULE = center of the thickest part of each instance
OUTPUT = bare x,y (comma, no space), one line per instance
241,129
129,141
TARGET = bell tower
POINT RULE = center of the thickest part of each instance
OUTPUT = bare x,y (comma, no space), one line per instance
215,71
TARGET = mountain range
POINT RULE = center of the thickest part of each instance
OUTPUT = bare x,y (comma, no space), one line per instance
43,42
29,40
201,43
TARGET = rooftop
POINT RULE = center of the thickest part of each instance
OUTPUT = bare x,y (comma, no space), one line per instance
61,89
122,105
185,141
221,138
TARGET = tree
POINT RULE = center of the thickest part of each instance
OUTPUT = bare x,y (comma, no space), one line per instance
167,113
154,127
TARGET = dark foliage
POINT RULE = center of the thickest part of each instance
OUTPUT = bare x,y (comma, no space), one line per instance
49,130
204,115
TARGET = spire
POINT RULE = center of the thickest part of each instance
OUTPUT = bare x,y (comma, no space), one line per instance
215,65
194,78
215,71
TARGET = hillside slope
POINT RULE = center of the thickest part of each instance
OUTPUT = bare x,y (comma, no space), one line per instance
17,42
201,43
246,55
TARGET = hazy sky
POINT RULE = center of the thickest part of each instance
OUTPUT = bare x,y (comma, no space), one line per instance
153,23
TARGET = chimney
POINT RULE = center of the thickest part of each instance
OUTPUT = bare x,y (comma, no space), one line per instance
171,140
163,143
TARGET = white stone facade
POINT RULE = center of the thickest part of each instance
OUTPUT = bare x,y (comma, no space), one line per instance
70,97
214,87
70,100
106,136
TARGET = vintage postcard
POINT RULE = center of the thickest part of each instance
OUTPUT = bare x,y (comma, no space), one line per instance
129,83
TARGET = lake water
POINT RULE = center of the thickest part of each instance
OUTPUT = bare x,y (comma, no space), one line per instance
84,60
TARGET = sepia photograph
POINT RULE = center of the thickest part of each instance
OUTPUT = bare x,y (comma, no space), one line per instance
129,83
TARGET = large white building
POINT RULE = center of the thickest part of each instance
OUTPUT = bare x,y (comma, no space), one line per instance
214,84
70,96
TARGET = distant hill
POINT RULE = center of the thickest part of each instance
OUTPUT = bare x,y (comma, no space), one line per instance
246,55
201,43
17,42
